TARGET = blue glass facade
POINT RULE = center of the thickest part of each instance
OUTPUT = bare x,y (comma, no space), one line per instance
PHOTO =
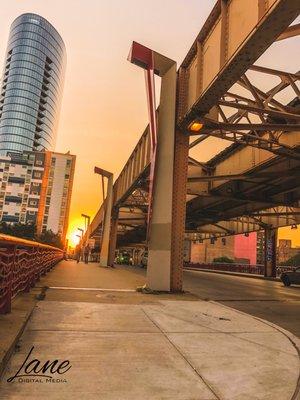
32,85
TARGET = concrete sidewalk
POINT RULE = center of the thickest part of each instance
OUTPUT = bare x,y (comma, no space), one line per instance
171,350
124,345
12,324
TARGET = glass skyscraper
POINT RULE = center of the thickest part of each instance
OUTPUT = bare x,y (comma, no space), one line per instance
32,85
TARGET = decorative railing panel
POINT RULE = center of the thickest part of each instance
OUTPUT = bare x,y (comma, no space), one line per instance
256,269
22,263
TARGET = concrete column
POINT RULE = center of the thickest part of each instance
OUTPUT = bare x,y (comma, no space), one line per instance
104,251
179,209
113,237
159,249
270,252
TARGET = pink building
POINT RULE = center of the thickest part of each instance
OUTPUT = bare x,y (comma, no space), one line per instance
245,247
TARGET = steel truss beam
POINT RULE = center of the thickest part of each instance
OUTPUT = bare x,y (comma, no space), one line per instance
273,20
135,170
245,176
238,197
291,31
256,119
204,166
275,117
259,142
239,127
278,216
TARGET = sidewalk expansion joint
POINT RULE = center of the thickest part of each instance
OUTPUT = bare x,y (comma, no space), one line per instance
182,355
90,289
92,331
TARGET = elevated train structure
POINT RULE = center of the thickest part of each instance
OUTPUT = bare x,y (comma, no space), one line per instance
164,194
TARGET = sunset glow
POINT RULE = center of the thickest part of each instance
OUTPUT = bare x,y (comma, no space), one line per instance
101,84
73,231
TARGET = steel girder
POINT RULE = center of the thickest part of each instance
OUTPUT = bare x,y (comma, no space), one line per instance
254,119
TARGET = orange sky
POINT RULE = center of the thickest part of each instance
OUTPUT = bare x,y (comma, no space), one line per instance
104,105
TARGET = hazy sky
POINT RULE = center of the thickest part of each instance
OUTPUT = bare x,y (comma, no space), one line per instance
104,104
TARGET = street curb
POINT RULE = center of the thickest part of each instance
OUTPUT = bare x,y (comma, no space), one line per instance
244,275
10,350
295,341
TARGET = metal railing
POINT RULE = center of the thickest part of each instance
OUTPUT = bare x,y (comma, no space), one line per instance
256,269
22,263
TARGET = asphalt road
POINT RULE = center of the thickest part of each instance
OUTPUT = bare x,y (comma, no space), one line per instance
269,300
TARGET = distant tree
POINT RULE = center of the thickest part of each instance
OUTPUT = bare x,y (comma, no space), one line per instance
51,238
293,261
224,260
25,231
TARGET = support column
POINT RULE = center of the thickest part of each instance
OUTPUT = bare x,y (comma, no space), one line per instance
113,237
104,251
167,187
159,249
270,252
179,210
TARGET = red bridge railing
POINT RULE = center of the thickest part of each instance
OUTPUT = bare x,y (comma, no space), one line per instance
22,263
257,269
230,267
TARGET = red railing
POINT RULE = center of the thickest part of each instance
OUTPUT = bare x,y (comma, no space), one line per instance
22,263
257,269
242,268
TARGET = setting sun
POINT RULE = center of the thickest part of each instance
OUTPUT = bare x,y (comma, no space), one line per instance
73,231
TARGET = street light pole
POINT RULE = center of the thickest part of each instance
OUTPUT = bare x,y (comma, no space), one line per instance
104,251
78,249
81,236
87,220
